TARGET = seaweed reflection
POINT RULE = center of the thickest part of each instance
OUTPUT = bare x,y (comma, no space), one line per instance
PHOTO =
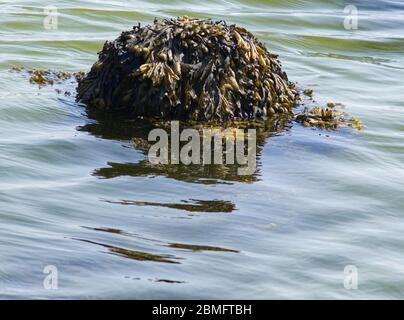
191,205
193,247
174,245
135,255
138,130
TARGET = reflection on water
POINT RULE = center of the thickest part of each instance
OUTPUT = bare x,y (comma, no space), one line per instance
193,247
135,255
124,233
168,281
192,205
137,131
364,59
185,246
147,256
203,174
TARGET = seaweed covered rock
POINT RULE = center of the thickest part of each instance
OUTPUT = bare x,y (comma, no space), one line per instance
187,69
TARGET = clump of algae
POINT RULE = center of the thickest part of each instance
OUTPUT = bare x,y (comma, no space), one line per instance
328,118
188,69
43,77
196,71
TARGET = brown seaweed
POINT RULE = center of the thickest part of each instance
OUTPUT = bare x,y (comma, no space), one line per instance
196,71
187,69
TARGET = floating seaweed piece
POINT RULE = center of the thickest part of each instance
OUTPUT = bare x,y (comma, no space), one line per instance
328,118
44,77
308,92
